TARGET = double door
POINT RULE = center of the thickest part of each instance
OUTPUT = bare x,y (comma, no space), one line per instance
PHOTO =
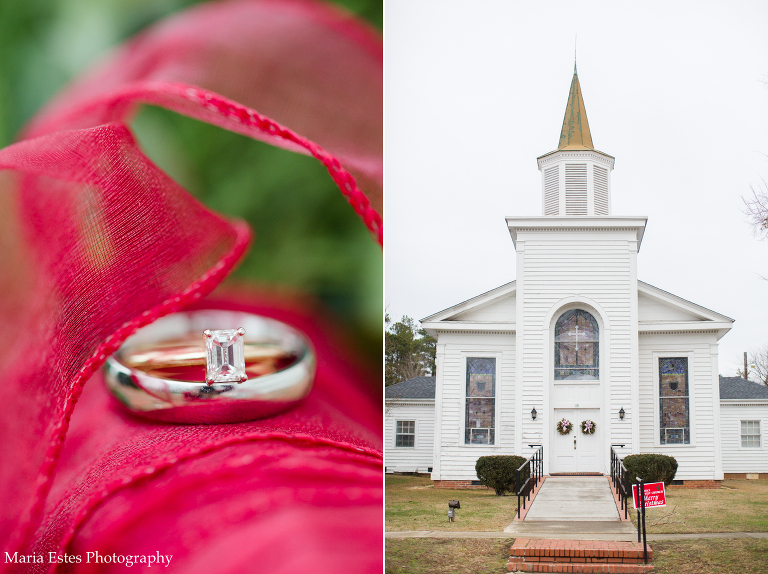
576,451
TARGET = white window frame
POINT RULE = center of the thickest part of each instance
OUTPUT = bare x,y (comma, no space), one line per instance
759,434
415,424
690,355
480,354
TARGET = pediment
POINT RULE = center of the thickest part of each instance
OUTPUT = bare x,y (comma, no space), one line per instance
653,310
499,310
655,306
495,306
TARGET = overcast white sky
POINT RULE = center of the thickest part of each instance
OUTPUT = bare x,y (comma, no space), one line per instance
476,91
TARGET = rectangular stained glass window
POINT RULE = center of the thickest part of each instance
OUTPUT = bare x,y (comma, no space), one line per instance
481,401
750,434
405,433
674,415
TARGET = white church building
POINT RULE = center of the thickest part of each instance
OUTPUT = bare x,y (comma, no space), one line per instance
578,337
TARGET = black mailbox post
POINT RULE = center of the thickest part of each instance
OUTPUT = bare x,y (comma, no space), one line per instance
452,506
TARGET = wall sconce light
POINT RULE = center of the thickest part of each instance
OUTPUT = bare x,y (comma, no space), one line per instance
533,413
621,413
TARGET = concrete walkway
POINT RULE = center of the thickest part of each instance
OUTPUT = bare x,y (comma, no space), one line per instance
574,498
574,507
572,530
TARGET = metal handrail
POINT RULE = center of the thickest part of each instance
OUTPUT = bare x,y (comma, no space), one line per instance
641,516
533,470
620,480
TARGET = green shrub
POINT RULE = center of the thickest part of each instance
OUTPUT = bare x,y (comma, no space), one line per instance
651,467
498,472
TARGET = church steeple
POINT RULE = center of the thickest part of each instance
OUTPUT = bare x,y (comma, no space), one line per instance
576,178
575,133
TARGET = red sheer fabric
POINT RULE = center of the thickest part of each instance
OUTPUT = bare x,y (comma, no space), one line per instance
96,241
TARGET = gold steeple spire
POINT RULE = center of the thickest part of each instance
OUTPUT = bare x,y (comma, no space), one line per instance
575,133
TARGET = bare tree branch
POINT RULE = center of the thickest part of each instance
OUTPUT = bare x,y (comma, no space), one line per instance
757,369
756,209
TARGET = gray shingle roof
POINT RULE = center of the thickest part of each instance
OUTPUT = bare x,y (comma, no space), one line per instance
738,388
416,388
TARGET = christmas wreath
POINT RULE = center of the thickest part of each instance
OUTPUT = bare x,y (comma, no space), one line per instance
588,427
564,426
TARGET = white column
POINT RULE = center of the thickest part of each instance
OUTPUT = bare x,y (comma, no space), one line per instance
520,322
634,412
716,412
438,440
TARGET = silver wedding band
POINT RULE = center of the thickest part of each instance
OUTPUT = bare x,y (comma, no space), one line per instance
197,402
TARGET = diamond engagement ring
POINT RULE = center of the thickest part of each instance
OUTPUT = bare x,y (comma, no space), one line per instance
166,372
225,356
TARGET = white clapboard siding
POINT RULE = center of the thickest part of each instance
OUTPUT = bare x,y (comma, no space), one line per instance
457,460
650,310
697,460
599,268
499,310
735,457
419,457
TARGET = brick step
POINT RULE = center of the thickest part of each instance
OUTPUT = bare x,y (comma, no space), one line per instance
578,551
529,555
583,568
576,560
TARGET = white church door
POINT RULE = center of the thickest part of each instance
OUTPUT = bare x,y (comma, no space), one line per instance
576,393
576,451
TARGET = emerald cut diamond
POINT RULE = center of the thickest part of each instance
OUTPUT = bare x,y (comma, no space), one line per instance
225,359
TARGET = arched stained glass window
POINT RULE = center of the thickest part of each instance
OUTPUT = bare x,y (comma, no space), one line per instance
577,347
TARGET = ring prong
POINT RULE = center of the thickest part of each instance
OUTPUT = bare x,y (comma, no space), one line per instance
241,331
207,334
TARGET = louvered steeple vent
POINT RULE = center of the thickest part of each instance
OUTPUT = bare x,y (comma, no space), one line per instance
576,178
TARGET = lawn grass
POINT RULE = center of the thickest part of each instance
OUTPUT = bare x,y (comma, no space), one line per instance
489,556
738,506
447,556
712,556
413,504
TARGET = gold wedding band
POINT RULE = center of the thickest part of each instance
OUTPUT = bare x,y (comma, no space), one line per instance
187,354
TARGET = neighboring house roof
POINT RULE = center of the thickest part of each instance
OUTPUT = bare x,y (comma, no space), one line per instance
416,388
739,389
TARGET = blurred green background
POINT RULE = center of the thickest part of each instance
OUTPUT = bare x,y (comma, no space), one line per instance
306,235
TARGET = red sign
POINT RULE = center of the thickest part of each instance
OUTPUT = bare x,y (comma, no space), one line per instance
654,495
